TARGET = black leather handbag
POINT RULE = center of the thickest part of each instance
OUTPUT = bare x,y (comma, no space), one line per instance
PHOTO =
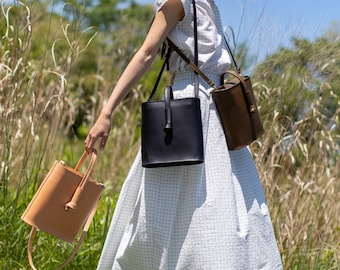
171,131
172,128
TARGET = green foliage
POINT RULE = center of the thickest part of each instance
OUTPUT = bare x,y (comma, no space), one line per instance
102,13
301,74
56,72
94,73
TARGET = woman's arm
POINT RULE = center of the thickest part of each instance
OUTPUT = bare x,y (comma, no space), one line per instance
165,20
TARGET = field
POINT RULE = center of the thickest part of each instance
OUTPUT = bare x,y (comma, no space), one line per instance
40,100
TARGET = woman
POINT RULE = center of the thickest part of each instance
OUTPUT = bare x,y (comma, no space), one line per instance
207,216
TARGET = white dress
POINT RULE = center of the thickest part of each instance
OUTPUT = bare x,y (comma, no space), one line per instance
211,216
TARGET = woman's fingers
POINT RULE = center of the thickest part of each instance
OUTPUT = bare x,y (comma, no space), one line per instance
91,140
100,131
103,141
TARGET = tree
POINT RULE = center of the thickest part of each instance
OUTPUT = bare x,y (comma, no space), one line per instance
299,75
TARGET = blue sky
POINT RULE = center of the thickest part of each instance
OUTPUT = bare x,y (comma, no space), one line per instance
268,24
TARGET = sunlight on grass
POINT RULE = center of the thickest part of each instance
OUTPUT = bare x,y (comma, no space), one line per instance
298,158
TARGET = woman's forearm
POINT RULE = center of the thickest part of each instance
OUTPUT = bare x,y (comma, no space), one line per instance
164,22
141,61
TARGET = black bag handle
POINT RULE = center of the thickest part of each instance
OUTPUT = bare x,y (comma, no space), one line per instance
229,50
166,61
195,47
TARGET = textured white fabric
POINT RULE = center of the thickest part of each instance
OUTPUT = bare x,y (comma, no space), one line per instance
211,216
213,54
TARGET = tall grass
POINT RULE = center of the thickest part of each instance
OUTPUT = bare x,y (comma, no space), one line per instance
300,173
301,179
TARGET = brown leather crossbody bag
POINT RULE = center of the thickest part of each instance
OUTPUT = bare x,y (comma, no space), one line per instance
235,103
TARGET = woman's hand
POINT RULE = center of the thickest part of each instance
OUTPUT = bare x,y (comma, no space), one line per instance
100,130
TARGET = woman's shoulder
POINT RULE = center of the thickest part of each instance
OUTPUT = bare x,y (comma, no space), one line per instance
185,3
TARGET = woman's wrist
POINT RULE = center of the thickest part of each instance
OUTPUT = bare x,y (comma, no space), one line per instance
106,112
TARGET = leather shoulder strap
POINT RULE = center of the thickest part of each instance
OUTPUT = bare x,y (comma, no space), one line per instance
191,64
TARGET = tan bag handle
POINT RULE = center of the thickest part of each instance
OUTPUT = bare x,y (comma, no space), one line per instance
75,198
76,248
